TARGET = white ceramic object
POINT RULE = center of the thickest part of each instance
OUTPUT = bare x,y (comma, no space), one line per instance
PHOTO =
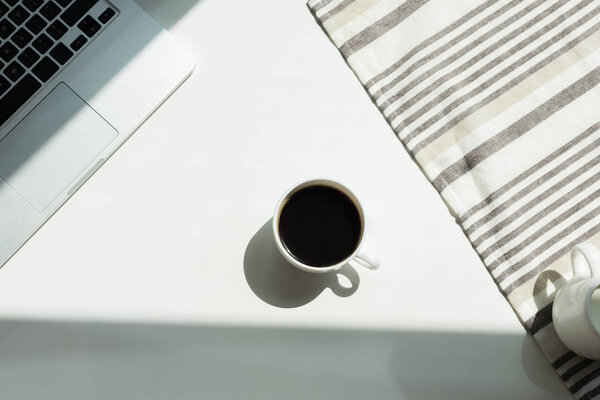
571,311
366,260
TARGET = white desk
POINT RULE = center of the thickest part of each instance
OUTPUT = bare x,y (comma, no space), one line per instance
150,282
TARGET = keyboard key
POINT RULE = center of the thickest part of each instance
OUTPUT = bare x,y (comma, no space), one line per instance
36,24
77,10
64,3
45,69
57,29
11,2
17,96
3,9
18,15
61,53
8,51
42,43
21,37
14,71
78,42
28,57
32,5
106,15
50,10
89,26
6,28
4,85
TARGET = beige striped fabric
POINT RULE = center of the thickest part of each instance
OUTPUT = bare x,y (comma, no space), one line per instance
498,101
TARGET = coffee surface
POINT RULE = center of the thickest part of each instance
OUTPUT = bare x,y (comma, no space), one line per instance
320,226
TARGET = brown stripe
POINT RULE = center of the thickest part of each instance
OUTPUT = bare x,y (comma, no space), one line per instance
541,164
548,261
516,130
546,245
382,26
537,234
441,34
491,65
533,186
481,222
456,56
591,394
571,372
424,60
562,360
320,5
584,381
541,318
543,196
454,121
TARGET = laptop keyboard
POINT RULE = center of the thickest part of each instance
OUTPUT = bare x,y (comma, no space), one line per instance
37,40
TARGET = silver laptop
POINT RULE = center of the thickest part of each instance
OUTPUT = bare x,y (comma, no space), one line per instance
77,78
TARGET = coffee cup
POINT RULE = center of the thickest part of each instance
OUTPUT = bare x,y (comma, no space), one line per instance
319,226
576,306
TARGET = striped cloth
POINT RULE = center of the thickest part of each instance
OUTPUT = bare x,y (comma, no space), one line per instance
499,104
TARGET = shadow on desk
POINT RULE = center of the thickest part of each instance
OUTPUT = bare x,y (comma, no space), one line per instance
74,361
278,283
167,12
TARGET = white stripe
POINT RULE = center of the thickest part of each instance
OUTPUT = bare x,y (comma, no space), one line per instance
506,118
548,235
540,206
486,60
528,149
377,11
416,32
515,111
541,223
553,249
592,385
469,54
581,374
532,195
499,83
566,366
532,179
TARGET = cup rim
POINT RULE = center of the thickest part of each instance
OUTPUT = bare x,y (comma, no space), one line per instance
306,183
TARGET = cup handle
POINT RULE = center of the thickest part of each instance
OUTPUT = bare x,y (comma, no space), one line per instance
585,260
367,260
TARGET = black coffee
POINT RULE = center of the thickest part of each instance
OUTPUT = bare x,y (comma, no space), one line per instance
320,226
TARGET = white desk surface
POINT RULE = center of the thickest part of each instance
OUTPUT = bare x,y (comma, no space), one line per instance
153,281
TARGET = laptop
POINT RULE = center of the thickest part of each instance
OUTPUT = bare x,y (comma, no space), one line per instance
77,78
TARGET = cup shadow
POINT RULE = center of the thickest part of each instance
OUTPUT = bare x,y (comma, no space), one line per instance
280,284
537,368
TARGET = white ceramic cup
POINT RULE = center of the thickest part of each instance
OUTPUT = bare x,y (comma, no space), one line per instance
361,258
571,311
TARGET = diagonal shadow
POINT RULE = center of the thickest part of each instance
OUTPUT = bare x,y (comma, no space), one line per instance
93,360
167,13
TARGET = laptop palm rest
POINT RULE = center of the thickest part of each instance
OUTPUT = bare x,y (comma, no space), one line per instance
55,143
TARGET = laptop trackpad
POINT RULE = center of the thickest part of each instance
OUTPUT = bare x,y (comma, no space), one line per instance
57,141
